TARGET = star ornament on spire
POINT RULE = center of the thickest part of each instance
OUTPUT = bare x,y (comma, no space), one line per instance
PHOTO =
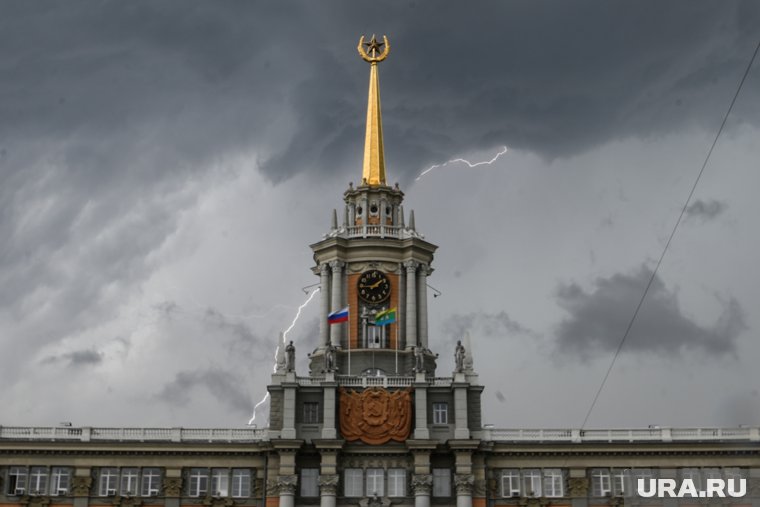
373,52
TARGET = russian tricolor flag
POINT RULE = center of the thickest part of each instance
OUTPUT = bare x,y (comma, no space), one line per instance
338,316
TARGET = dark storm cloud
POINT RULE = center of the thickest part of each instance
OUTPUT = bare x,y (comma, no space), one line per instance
222,385
76,358
598,318
244,340
705,210
482,325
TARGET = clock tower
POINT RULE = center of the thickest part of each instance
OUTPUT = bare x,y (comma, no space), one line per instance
374,262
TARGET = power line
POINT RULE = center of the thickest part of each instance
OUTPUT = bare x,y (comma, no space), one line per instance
672,234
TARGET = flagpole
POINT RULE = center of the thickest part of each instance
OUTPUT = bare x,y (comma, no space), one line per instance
397,347
349,340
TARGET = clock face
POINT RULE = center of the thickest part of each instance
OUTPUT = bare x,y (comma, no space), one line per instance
374,286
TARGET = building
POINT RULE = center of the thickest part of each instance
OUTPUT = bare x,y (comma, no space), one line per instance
371,423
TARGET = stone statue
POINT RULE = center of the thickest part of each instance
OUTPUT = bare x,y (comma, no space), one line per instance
330,358
419,359
290,357
459,357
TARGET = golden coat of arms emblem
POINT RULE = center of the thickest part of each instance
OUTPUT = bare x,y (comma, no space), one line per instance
375,415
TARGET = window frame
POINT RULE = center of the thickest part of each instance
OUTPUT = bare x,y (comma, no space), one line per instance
440,412
150,482
441,483
311,412
598,477
16,475
553,483
60,475
376,476
353,478
532,482
513,488
396,476
309,482
198,475
132,476
108,481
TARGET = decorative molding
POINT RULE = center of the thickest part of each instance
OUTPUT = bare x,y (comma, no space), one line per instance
411,266
375,415
324,268
286,484
35,501
532,501
272,488
172,487
479,488
80,486
127,501
422,484
328,484
463,483
217,501
375,501
337,265
577,487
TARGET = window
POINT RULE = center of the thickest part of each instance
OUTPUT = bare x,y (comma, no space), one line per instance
129,478
60,481
311,412
553,482
241,482
198,484
396,482
151,482
17,478
440,413
310,482
600,482
532,482
108,481
353,482
220,482
441,481
510,483
375,483
621,482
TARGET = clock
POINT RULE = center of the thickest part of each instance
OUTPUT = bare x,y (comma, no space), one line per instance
373,286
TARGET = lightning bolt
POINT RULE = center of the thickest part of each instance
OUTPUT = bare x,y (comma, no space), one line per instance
277,350
470,164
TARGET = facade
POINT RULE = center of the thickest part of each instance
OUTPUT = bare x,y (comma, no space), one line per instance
371,423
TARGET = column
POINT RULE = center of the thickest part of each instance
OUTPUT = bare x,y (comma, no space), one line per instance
328,490
411,303
463,484
401,316
421,485
336,290
287,486
422,317
324,288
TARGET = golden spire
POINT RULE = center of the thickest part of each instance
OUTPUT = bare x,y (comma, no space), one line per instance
373,170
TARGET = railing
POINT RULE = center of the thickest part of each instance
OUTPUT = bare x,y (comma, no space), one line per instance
89,434
365,231
354,381
622,435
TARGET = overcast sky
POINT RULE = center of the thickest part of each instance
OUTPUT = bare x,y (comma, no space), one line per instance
165,166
